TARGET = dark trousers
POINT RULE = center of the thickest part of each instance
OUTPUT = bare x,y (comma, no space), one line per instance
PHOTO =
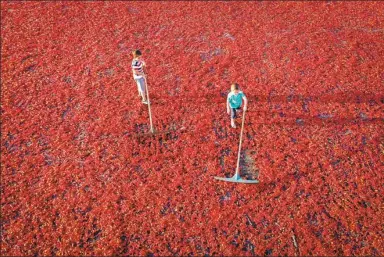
234,112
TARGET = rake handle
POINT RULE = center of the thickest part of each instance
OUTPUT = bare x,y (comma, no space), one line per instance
241,138
149,104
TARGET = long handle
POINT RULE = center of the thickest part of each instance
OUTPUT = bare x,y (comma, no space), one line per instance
241,138
149,104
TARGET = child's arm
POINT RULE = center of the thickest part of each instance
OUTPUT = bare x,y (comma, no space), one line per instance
245,103
133,69
228,107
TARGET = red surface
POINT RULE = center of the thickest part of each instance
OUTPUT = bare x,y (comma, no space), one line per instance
76,181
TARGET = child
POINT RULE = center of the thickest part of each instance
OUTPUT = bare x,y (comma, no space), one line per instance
234,100
138,74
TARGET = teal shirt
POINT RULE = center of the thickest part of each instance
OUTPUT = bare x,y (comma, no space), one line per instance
235,101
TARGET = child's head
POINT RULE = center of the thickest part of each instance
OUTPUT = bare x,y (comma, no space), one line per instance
235,88
136,53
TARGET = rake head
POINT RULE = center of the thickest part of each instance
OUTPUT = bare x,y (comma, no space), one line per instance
154,133
237,179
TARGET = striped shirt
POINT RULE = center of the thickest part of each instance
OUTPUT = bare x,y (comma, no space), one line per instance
137,68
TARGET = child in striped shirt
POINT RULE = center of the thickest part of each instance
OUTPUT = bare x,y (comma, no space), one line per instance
234,101
138,74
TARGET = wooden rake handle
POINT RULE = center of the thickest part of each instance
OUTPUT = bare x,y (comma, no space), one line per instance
241,139
149,103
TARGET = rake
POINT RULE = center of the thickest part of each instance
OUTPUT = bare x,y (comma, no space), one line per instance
149,105
152,131
236,178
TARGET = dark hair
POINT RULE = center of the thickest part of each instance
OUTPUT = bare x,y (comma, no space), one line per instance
236,86
137,52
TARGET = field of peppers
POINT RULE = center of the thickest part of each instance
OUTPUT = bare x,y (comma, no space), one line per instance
78,177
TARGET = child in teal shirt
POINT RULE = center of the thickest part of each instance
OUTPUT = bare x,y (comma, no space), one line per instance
234,101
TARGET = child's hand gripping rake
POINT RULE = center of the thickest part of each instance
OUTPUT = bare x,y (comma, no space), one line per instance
236,178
